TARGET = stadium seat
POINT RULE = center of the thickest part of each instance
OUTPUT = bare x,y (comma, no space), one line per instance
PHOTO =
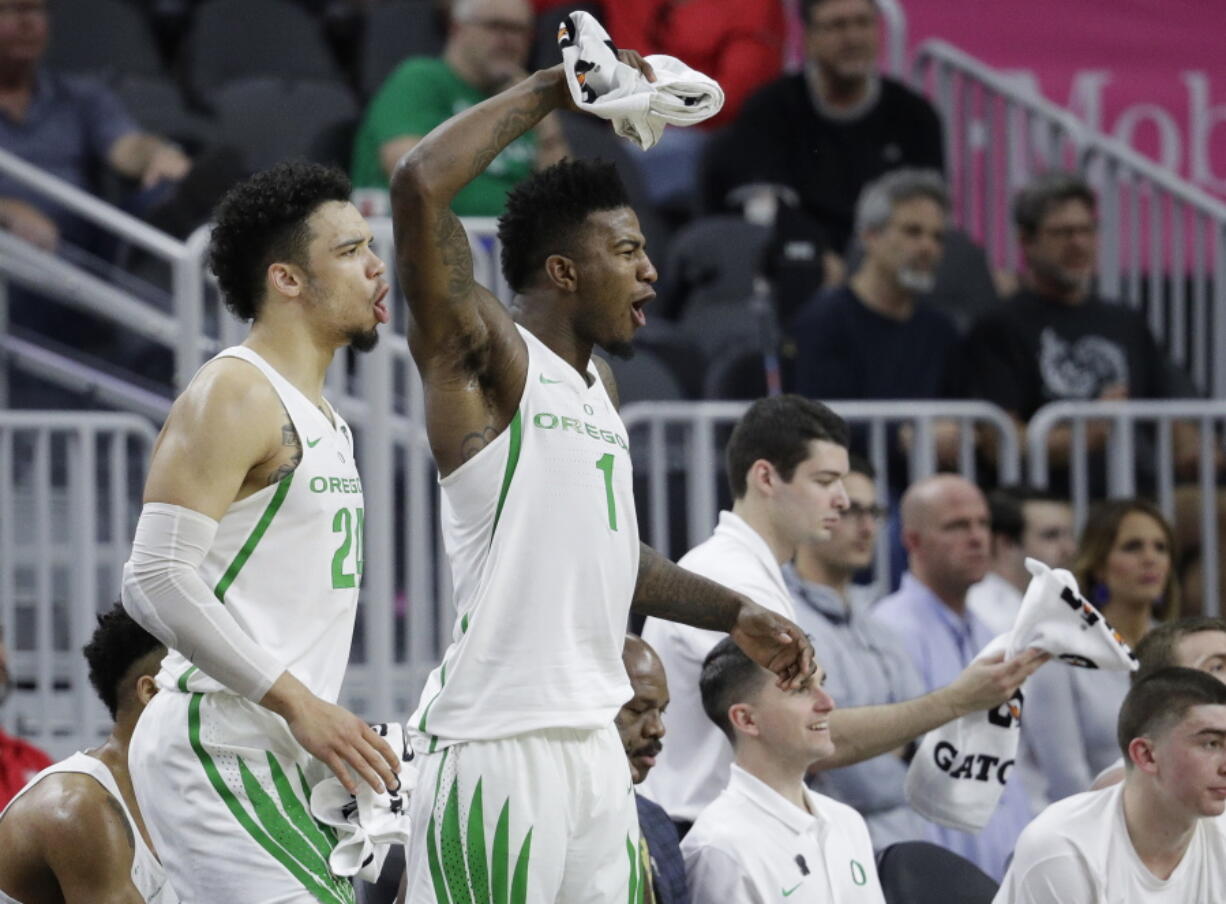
158,105
235,39
712,261
644,378
395,31
739,374
101,36
669,342
271,119
917,872
719,327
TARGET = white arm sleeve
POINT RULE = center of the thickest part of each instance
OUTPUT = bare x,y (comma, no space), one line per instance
164,593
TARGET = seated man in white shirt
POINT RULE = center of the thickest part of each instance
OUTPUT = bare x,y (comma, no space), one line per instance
1151,839
767,835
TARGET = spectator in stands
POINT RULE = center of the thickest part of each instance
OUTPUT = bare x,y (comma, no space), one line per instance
70,126
1026,523
19,761
1156,837
1124,566
786,460
828,131
865,663
75,833
767,834
945,530
640,723
487,48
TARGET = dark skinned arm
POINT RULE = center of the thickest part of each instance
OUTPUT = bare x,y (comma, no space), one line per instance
668,591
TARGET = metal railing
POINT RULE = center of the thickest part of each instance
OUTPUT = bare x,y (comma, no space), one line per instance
69,499
1143,453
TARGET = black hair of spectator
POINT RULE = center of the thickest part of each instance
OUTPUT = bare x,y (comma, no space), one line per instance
728,677
1158,649
118,644
546,214
858,464
1161,699
1035,200
807,7
1007,506
263,220
779,430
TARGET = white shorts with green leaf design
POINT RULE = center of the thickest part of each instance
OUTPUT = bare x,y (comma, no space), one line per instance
542,817
223,788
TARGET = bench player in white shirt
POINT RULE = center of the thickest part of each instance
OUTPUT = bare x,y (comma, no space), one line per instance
767,836
524,785
248,556
1155,838
73,834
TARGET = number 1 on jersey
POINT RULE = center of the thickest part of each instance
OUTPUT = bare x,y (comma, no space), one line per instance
605,464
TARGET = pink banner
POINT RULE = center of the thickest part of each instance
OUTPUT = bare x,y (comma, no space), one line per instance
1149,72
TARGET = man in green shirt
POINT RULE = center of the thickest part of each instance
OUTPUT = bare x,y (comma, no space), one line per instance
487,48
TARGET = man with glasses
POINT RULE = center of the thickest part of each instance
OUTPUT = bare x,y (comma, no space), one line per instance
487,48
866,664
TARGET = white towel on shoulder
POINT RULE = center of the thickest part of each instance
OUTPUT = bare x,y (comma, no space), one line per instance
639,110
367,825
959,772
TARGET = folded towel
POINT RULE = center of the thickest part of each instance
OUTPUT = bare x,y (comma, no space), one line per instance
601,84
959,772
368,824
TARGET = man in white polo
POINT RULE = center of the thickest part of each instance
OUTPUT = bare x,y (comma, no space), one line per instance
767,835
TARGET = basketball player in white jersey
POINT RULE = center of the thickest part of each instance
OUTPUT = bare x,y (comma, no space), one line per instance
248,557
524,787
74,834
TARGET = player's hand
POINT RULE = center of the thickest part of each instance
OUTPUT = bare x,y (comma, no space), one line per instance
987,683
635,59
774,643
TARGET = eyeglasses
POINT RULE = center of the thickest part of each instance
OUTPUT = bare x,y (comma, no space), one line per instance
873,512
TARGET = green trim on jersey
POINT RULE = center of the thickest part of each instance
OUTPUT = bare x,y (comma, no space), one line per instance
187,674
635,886
284,837
257,534
517,435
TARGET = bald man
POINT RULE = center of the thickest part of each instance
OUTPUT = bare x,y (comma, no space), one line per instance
946,531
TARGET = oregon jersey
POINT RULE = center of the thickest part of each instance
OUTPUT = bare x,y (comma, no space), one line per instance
287,560
541,534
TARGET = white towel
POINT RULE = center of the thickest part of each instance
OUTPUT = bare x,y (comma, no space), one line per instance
367,825
601,84
959,772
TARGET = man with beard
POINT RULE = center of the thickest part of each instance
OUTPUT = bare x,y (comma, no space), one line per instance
248,557
640,723
19,760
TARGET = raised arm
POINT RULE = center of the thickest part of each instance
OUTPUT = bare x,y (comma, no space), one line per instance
472,360
666,590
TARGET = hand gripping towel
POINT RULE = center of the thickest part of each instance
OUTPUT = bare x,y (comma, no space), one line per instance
638,109
367,825
959,772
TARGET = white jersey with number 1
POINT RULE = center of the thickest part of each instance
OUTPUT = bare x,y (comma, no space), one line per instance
541,533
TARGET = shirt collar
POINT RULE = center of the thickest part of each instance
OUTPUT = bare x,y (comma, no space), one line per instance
822,599
774,804
736,528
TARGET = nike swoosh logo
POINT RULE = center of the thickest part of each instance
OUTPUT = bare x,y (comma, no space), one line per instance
545,379
788,891
312,443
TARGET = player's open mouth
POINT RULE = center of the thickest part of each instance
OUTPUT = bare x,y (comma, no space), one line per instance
382,314
636,309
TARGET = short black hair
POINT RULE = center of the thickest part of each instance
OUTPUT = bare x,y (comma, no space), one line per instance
118,644
545,214
1007,508
1159,647
807,7
858,464
262,220
1035,200
1162,698
779,430
728,677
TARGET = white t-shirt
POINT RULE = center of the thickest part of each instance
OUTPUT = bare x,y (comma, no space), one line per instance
692,769
753,846
1078,850
995,602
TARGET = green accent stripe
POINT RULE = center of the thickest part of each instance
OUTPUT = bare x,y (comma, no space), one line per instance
185,676
478,868
325,894
281,829
519,882
329,832
297,812
464,624
517,434
256,535
502,856
436,869
442,683
452,849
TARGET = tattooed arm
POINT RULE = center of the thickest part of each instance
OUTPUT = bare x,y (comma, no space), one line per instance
668,591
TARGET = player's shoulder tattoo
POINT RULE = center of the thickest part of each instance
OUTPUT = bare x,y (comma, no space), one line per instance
289,437
474,442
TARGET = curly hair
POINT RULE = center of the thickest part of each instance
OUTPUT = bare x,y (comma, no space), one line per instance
263,219
117,645
546,212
